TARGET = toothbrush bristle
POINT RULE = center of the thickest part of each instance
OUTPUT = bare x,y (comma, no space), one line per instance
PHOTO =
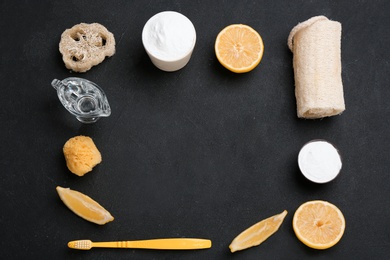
80,244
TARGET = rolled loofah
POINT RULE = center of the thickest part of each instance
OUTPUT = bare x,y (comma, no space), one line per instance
316,45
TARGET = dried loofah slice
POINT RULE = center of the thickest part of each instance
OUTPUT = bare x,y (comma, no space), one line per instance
81,155
86,45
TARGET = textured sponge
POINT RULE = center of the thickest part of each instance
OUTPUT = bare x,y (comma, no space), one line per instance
316,45
81,155
86,45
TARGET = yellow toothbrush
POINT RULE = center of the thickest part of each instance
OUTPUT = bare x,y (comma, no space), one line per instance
163,243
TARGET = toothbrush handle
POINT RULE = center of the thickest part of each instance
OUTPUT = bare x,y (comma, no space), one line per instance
164,243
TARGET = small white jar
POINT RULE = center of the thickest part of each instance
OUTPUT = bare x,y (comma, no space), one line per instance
319,161
169,39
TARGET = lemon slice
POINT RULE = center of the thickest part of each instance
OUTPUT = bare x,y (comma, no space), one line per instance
84,206
318,224
258,233
239,48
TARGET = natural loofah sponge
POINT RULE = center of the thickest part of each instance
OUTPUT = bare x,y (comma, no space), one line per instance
81,155
86,45
316,45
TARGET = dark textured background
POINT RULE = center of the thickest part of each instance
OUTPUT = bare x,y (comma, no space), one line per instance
201,152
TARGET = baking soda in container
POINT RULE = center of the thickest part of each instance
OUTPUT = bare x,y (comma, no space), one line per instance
169,39
319,161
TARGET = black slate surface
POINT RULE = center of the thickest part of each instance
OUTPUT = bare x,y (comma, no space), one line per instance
201,152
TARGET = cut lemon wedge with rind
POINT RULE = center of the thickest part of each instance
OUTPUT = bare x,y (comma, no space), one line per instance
318,224
84,206
239,48
258,233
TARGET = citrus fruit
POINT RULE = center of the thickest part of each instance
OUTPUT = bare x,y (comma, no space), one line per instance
84,206
239,48
258,233
318,224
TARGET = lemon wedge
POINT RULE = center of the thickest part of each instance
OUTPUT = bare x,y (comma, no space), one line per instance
258,233
84,206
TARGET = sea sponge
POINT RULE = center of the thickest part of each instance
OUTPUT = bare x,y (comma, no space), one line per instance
81,155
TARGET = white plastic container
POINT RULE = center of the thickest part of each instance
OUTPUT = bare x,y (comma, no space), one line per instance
319,161
169,39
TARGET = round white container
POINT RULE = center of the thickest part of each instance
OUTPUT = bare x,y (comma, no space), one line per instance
169,39
319,161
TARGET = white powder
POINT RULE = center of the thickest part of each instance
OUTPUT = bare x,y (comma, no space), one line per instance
319,161
169,36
